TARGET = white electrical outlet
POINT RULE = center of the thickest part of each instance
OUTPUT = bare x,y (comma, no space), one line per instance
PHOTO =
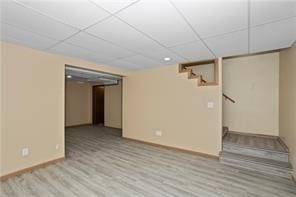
158,133
25,152
57,146
210,105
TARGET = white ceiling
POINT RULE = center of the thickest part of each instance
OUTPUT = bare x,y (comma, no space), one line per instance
137,34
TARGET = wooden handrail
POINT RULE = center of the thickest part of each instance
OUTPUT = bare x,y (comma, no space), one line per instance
224,95
227,97
201,81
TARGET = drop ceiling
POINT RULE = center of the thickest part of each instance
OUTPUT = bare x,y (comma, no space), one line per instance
82,76
138,34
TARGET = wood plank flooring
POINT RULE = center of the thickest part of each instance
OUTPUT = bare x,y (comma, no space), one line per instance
100,163
268,143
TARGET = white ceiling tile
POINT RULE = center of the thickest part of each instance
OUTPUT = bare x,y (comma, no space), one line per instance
273,35
122,34
229,44
78,13
267,11
210,18
74,51
160,20
141,61
124,64
102,48
19,36
17,15
160,54
222,25
113,5
11,40
194,51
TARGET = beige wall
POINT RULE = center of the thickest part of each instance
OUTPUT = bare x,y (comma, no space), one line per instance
78,103
33,105
113,106
253,82
287,112
1,125
33,109
164,99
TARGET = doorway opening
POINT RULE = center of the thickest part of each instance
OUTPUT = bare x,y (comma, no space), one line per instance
98,92
93,102
92,98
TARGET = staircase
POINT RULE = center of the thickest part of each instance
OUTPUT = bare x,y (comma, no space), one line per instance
185,67
262,154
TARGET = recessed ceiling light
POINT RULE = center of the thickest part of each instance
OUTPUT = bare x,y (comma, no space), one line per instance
69,76
167,59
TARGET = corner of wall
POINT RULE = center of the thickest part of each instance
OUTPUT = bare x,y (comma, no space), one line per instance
32,97
164,99
1,125
287,104
253,82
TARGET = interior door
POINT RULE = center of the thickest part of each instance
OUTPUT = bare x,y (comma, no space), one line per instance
98,104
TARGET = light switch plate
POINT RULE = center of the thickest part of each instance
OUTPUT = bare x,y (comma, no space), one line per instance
25,152
210,105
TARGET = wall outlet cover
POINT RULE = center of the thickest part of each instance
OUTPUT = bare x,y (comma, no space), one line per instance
158,133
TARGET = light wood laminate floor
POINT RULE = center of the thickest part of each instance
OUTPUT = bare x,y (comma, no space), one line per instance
254,141
100,163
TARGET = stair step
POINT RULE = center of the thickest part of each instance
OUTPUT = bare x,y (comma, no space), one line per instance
262,165
280,156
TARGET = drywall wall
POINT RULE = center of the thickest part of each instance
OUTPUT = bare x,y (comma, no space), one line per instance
78,103
164,99
113,105
33,95
0,111
33,105
287,99
253,82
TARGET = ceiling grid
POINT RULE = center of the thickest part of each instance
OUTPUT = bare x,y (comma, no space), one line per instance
138,34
